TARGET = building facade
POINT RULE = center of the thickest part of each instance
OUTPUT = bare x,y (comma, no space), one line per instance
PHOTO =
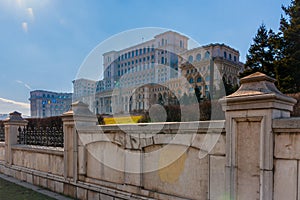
48,104
158,71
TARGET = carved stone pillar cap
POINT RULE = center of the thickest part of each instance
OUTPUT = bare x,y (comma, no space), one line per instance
80,108
259,84
15,117
258,88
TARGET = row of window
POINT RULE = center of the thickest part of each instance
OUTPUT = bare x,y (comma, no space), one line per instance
52,96
136,53
229,56
195,70
136,61
198,57
199,80
135,69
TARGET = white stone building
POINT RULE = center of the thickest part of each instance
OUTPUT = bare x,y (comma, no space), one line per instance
137,76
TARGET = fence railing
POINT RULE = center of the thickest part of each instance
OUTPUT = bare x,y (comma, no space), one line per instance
53,136
2,134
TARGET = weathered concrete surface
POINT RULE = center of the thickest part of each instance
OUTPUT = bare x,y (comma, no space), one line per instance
248,149
45,159
285,179
217,178
287,146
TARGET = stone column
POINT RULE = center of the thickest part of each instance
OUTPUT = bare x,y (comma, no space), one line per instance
12,124
249,137
74,150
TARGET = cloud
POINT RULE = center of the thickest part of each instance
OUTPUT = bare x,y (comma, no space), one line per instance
25,84
7,106
25,27
30,13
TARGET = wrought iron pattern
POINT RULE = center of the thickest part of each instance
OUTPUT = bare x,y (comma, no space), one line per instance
2,134
53,136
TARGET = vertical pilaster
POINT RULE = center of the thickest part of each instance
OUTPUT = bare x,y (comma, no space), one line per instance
12,124
74,121
249,138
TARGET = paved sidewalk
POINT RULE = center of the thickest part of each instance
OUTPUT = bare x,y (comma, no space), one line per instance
11,188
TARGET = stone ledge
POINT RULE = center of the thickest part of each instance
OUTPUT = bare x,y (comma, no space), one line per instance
40,149
291,125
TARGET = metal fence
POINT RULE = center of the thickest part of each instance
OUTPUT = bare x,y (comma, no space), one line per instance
2,134
43,136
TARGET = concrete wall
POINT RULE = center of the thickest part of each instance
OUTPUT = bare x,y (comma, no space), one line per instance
253,154
2,151
287,158
195,171
44,159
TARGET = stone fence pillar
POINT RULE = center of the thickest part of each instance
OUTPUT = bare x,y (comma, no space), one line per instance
74,151
249,137
12,124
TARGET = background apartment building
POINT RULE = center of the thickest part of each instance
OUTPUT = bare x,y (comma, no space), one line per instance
48,104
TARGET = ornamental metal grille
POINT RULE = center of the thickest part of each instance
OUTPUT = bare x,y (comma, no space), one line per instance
53,137
2,134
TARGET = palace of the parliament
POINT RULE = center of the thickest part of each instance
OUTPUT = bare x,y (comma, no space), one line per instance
156,71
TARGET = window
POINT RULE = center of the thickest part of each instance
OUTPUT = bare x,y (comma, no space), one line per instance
132,53
191,80
144,50
198,57
141,51
234,58
181,44
229,56
207,55
162,60
225,55
191,59
162,42
136,52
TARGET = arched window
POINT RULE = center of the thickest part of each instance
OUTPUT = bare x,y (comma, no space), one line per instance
207,55
225,55
198,57
191,59
199,79
191,80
